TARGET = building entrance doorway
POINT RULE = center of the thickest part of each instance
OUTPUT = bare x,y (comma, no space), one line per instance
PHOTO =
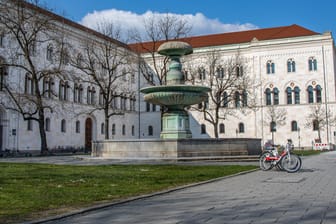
88,134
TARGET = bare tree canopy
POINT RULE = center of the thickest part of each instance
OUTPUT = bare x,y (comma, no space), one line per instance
319,118
108,70
232,88
26,32
159,29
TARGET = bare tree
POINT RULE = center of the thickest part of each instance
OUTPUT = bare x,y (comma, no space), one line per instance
27,31
230,86
106,65
319,118
159,29
275,117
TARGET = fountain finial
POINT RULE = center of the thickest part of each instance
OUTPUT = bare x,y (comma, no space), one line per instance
174,50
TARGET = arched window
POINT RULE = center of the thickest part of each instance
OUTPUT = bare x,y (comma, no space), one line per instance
268,97
29,85
294,126
63,90
315,125
29,125
150,130
270,67
239,70
90,95
76,93
220,72
148,106
244,98
241,128
312,64
318,91
289,95
80,94
272,96
48,84
297,95
201,73
63,125
276,96
77,126
47,124
50,52
2,38
79,60
290,65
206,104
65,59
101,98
221,128
185,74
102,128
93,95
113,129
310,91
203,129
123,132
3,74
272,126
225,99
237,99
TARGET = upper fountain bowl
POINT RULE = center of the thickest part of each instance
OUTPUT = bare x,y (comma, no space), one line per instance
175,48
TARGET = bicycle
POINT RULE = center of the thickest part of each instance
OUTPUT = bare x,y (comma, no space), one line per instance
285,161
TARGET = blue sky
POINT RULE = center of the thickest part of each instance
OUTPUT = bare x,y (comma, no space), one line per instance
315,15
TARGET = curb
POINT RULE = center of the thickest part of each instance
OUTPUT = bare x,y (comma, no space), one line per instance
111,204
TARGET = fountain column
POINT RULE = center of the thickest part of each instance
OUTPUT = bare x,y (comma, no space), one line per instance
175,95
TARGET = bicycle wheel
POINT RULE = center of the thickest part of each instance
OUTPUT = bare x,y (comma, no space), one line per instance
291,163
265,165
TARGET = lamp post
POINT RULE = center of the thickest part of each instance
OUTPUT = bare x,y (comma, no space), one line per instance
299,137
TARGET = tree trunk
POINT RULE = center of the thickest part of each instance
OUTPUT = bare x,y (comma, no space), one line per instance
215,126
106,123
44,145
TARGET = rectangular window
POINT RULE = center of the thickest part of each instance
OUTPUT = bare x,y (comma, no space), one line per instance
29,125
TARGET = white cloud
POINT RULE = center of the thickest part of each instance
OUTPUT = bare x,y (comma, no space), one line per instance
201,25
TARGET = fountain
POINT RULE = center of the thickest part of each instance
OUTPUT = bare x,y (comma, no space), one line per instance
175,96
176,140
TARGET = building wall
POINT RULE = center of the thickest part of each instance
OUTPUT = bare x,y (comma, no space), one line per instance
257,53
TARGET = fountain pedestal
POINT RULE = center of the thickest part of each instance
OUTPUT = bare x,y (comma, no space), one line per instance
175,125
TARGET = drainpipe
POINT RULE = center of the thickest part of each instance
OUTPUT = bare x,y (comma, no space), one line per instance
325,92
139,114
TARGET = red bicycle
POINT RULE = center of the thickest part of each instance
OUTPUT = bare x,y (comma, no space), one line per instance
285,161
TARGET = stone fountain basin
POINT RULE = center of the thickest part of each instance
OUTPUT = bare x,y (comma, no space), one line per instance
181,95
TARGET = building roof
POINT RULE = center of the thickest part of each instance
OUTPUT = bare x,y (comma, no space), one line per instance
233,37
68,22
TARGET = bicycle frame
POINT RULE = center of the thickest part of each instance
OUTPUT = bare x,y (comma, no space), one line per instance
277,158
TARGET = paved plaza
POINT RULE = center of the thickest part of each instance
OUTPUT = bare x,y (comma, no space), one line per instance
308,196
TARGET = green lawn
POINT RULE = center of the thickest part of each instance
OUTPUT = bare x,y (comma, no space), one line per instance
32,191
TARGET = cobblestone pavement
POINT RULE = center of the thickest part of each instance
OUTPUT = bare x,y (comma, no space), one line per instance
308,196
